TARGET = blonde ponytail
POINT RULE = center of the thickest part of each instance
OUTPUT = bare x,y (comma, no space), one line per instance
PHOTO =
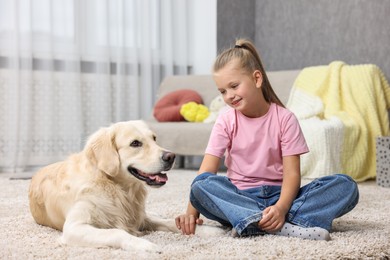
249,60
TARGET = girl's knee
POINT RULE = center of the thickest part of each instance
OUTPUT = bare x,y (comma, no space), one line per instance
350,191
202,176
200,183
209,183
349,186
346,181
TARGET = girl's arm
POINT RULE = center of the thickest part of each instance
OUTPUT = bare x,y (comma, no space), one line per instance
210,163
291,182
187,222
274,216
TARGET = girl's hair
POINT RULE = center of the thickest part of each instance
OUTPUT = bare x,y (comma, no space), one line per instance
249,60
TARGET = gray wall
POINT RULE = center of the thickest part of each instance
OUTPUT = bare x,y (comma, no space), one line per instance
235,19
297,33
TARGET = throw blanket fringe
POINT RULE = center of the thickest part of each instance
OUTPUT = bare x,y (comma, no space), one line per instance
342,109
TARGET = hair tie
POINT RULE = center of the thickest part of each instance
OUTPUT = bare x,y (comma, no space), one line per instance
242,47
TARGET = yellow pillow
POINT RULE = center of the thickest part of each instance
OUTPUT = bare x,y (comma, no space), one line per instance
194,112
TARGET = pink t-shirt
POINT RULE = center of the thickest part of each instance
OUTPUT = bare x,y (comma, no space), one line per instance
255,146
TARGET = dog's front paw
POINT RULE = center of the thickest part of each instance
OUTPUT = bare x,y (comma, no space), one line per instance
140,245
207,231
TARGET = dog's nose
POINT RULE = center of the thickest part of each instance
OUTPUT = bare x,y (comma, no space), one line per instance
168,157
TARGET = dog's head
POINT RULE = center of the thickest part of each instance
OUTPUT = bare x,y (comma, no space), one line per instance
130,148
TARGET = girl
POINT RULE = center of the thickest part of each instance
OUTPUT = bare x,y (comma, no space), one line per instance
263,142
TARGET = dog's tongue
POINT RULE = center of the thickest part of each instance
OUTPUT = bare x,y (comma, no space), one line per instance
154,179
159,177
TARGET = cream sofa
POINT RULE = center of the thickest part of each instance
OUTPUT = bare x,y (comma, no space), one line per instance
190,139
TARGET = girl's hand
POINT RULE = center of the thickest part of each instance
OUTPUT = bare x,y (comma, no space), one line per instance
273,219
187,223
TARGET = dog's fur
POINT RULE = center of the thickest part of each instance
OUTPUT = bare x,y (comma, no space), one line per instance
97,197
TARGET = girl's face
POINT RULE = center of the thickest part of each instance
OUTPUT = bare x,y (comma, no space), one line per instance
240,90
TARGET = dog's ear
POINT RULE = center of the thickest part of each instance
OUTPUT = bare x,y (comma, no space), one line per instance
101,151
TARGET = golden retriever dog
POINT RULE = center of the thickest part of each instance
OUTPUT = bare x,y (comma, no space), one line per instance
97,196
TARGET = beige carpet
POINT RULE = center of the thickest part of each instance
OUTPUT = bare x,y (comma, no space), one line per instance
364,233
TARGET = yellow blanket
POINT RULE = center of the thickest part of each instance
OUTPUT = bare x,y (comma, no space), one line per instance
357,96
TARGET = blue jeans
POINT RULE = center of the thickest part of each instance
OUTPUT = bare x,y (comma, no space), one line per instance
316,205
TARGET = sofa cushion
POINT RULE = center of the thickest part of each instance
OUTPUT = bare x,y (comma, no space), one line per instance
167,108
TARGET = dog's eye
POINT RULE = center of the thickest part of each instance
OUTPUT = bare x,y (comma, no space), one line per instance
136,143
154,138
